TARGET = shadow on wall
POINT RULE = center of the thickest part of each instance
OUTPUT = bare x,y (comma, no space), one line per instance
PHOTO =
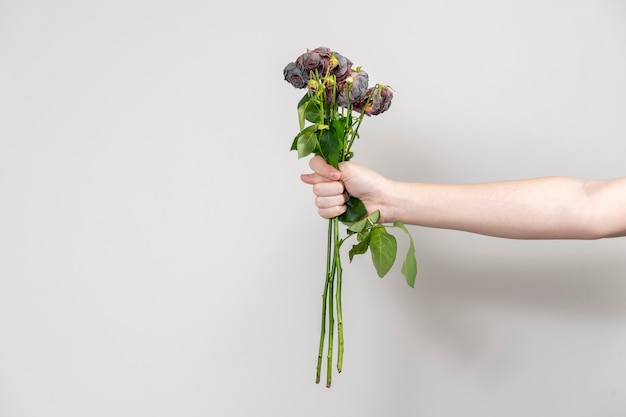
556,284
469,306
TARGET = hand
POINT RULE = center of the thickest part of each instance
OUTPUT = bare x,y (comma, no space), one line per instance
330,186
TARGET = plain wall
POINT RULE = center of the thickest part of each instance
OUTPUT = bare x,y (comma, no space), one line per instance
159,255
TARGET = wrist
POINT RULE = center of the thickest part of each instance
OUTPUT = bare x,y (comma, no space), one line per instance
389,207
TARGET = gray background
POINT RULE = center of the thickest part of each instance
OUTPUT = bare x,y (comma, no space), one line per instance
159,255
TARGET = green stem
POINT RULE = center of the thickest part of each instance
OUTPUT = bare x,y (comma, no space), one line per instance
358,124
354,133
331,325
329,268
339,273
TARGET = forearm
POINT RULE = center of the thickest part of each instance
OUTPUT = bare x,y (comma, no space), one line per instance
541,208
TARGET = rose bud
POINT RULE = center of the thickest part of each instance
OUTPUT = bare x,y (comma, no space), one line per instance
312,85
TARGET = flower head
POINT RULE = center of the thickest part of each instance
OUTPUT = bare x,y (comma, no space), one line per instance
356,84
342,67
377,100
295,75
312,61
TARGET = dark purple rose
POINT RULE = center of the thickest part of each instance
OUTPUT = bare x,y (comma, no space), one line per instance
381,97
315,60
381,100
311,61
357,88
342,69
295,75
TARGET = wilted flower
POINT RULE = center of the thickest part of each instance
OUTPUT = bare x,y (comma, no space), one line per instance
342,69
357,84
381,100
377,100
312,61
295,75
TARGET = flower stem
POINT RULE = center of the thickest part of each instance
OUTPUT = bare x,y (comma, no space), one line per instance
331,325
322,334
355,133
338,273
329,269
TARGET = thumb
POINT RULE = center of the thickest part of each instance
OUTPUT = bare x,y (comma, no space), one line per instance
323,169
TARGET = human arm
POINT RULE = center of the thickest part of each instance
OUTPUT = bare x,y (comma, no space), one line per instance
538,208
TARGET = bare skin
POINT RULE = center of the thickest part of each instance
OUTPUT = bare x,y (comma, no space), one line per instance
536,208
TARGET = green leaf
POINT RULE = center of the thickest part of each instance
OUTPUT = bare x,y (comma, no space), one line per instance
329,146
306,141
363,234
383,247
339,126
313,112
359,225
374,217
301,108
359,248
355,211
409,267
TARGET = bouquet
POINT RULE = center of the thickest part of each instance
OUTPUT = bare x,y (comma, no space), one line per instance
330,113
